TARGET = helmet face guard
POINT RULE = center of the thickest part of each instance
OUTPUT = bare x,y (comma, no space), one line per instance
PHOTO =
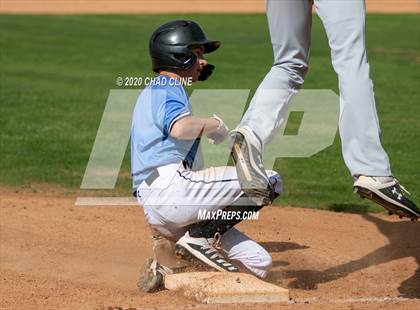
170,45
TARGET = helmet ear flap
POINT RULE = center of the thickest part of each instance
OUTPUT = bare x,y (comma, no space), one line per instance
180,61
186,60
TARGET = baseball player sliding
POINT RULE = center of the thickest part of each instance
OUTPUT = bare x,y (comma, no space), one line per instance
290,30
167,163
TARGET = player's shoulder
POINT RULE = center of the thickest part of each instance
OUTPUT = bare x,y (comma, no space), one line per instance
172,89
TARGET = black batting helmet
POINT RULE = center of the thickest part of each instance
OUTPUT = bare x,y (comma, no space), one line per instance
170,45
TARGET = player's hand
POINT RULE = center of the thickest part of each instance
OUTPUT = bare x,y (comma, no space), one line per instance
220,134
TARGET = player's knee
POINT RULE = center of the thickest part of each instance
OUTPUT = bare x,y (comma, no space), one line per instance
296,72
349,55
276,182
260,261
262,265
266,261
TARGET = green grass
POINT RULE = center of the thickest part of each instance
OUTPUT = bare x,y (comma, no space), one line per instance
56,72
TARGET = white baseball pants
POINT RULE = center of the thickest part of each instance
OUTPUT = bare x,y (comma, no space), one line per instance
174,199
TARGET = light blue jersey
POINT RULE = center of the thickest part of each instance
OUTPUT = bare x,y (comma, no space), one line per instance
158,107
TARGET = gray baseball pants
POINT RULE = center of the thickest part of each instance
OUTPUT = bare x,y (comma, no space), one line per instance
290,31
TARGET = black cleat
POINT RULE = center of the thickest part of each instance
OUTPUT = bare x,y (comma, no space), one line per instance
206,251
389,194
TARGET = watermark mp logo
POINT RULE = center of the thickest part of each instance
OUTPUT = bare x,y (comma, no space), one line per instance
318,111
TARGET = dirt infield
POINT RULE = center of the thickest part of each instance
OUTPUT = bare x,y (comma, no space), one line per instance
174,6
55,255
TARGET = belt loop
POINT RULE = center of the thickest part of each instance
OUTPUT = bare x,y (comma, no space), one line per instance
152,177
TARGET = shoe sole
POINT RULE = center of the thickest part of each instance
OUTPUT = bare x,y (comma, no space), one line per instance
241,154
184,245
385,202
240,160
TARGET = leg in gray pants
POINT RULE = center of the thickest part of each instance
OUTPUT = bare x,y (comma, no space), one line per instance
290,29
